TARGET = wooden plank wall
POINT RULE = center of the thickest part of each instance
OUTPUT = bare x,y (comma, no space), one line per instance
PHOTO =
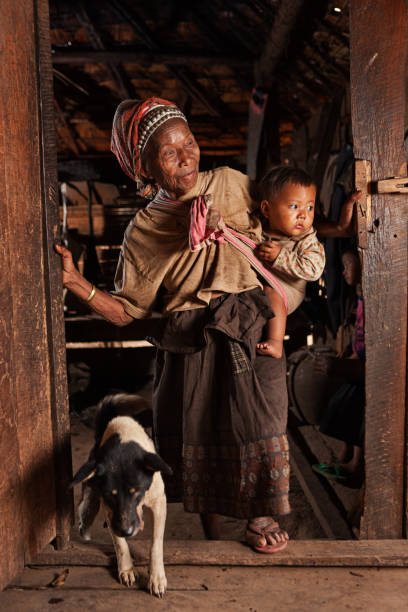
52,278
378,39
31,430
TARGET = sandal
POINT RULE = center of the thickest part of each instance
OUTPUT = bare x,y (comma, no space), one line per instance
271,528
335,472
331,471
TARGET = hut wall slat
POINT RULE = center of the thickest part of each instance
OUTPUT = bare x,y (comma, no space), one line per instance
53,281
378,77
28,393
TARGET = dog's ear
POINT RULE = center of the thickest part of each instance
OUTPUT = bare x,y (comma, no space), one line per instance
154,462
86,472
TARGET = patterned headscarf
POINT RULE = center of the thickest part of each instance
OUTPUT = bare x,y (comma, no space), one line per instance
134,123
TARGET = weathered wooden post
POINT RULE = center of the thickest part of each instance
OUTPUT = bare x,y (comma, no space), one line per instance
34,428
378,39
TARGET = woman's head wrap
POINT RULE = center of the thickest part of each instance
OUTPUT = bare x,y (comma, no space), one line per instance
134,123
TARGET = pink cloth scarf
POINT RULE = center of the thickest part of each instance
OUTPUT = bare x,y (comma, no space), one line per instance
207,225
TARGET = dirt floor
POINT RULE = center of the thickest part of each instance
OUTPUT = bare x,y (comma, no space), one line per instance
192,587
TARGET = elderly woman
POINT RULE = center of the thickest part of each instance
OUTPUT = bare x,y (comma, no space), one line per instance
220,409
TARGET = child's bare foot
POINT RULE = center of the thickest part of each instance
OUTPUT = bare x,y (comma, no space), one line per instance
273,348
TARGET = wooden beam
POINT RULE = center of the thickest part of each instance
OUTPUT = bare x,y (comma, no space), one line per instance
206,19
188,83
319,76
237,35
269,149
264,76
117,74
54,307
195,90
137,56
327,26
329,63
300,553
66,131
221,46
276,43
329,118
109,344
33,381
378,76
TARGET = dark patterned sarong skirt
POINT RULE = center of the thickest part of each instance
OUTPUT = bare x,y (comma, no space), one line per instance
220,409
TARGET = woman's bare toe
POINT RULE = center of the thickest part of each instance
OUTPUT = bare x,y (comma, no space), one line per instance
265,535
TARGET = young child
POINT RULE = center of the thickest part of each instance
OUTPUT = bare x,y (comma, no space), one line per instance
290,248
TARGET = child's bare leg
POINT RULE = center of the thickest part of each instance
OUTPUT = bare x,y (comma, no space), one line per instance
275,328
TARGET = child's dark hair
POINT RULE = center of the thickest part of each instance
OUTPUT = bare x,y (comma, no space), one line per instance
277,177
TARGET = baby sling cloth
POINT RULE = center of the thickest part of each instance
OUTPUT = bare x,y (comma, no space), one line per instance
207,225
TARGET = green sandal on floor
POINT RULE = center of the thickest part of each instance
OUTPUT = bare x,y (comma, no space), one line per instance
331,471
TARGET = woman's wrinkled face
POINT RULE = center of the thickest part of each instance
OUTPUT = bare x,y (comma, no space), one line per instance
171,158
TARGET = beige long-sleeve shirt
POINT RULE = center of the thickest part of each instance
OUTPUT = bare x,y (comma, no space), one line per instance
155,254
300,259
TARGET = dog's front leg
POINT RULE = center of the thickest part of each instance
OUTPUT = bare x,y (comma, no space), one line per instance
157,576
87,510
124,560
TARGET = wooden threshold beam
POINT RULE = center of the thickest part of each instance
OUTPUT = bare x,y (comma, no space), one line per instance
300,553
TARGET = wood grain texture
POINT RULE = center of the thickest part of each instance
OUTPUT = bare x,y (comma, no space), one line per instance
362,178
204,589
33,366
323,145
11,497
23,193
320,553
53,280
378,37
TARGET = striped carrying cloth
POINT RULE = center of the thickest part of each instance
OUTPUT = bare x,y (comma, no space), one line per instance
207,225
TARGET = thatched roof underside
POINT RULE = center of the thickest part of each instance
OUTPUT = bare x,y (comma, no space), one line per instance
199,54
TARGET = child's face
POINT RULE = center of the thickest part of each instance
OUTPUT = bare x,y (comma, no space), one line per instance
291,212
351,268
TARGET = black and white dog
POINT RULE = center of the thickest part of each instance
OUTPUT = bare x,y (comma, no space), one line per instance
123,472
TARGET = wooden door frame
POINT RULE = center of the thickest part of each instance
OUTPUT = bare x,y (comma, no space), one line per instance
378,126
378,41
36,460
378,111
54,296
378,85
367,85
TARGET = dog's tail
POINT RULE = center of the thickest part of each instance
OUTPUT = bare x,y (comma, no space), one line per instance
122,404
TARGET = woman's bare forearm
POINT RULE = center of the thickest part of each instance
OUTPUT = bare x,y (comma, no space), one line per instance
102,303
